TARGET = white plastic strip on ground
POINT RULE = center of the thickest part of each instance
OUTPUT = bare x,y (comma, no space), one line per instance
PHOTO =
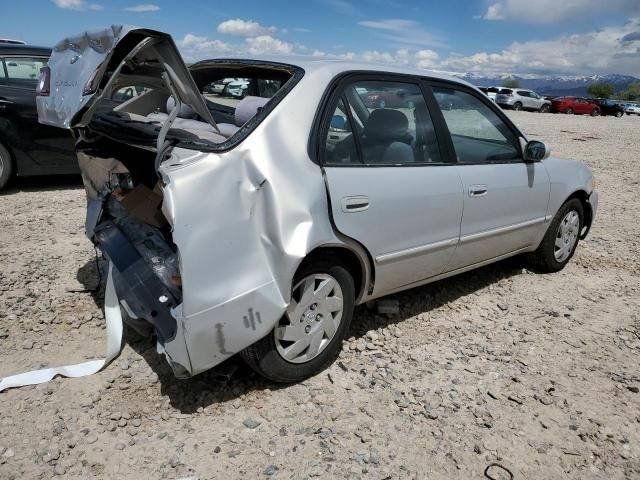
114,346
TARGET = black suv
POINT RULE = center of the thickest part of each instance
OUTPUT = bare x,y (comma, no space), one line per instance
608,107
26,146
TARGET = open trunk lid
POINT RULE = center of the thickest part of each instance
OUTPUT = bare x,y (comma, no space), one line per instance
82,69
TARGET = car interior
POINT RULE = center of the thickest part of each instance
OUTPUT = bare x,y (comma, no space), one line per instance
148,111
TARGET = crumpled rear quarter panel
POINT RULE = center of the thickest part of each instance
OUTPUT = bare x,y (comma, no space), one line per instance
242,221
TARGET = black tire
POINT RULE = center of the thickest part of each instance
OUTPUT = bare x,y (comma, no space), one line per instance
263,356
543,259
618,114
569,111
595,112
6,166
517,106
545,108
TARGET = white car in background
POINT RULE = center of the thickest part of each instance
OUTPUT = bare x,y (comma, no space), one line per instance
236,89
632,109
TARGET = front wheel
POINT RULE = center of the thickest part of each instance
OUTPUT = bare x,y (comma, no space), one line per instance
517,106
308,337
560,241
595,112
569,111
618,114
544,109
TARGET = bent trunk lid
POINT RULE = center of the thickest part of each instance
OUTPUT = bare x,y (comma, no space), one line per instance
91,59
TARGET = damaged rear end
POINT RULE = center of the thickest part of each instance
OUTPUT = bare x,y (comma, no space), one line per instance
152,208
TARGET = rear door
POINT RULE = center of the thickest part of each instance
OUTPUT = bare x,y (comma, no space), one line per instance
39,149
505,199
390,186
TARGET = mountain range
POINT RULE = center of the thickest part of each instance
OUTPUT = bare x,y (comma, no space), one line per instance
552,85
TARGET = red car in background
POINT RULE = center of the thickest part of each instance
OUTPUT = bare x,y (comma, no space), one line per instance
577,105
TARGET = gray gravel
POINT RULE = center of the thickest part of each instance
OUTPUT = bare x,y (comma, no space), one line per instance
538,373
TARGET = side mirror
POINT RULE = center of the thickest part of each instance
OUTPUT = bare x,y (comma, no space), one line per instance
535,151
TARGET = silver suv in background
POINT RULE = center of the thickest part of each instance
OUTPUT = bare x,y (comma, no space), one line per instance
519,99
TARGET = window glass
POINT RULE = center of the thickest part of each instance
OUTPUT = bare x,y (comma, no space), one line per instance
523,93
2,75
23,71
392,126
479,135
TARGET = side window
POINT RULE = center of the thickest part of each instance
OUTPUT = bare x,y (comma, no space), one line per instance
23,71
392,126
479,135
522,93
3,76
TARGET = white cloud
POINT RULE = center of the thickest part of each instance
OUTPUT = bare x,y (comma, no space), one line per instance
403,32
266,44
145,7
199,48
603,51
78,5
551,11
245,28
426,59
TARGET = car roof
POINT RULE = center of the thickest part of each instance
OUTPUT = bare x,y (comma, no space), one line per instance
337,66
15,49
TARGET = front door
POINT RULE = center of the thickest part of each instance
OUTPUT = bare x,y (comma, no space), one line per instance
390,187
505,198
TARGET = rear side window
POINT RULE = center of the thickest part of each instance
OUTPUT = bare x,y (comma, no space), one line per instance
523,93
381,123
479,135
23,71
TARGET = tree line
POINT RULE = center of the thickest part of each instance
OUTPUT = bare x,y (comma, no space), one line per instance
598,90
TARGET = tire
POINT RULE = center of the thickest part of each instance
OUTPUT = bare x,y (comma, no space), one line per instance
569,111
595,112
517,106
546,258
618,114
545,109
382,104
267,356
6,166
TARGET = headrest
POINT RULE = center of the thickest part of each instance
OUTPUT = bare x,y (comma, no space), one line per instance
247,108
185,110
386,125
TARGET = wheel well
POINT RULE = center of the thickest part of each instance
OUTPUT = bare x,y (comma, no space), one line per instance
345,257
586,207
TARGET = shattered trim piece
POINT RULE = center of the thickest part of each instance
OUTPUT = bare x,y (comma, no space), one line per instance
114,347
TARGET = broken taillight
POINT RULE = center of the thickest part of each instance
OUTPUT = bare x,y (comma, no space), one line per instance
44,82
92,84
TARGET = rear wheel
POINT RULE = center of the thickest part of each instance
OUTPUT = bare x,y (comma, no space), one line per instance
517,106
618,114
560,241
6,166
309,335
569,111
595,112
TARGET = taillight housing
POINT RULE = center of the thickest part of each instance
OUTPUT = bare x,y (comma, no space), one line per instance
44,82
92,84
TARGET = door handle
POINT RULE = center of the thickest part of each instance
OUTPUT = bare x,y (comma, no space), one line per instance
357,203
478,190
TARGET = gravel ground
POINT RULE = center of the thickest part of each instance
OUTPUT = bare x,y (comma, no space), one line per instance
538,373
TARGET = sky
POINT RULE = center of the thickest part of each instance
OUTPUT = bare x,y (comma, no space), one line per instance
486,37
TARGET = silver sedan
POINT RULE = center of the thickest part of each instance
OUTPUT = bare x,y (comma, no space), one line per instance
255,226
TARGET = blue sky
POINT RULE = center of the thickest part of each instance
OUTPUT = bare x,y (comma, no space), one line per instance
481,36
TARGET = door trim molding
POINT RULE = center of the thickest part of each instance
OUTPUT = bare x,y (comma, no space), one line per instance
472,237
415,251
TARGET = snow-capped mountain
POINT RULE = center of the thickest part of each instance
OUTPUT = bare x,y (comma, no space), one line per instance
551,85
